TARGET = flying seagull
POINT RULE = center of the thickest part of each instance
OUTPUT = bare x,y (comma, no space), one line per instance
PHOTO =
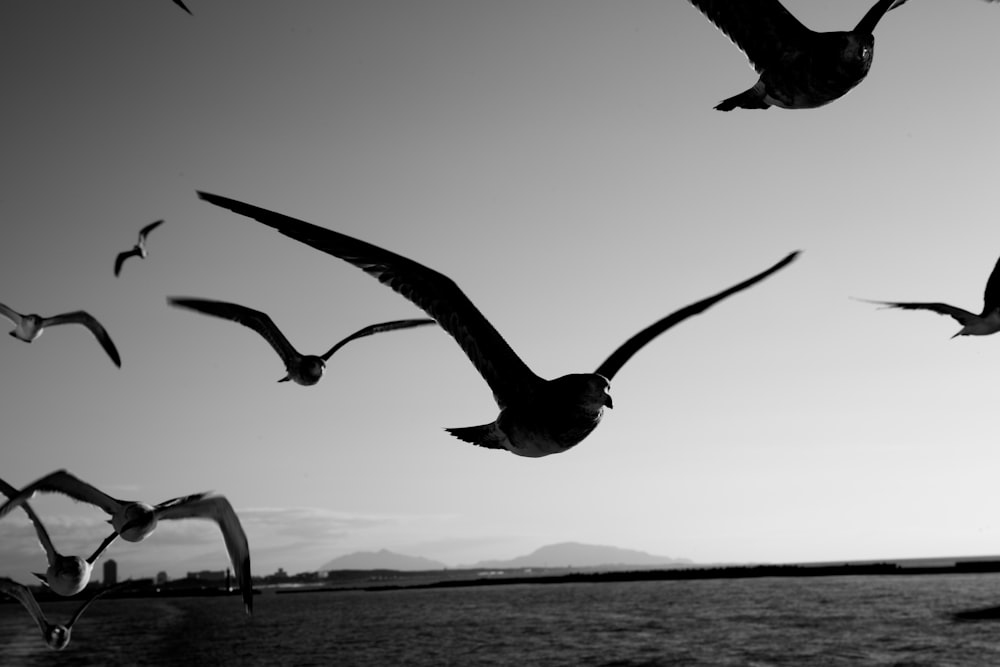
56,635
799,68
537,417
303,369
134,520
30,327
984,324
66,575
139,249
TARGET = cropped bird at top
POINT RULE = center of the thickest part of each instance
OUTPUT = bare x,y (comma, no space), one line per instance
139,249
303,369
56,635
134,520
30,327
181,4
66,575
984,324
799,68
537,417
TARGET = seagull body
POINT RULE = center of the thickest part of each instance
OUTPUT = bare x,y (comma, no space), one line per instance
56,635
537,417
134,520
303,369
799,68
139,249
66,575
30,327
983,324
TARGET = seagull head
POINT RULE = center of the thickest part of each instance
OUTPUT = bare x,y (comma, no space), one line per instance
57,637
68,575
307,372
135,521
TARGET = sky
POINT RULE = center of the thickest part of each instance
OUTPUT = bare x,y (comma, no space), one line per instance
562,162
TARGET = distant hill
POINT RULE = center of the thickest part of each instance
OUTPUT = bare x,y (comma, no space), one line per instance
574,554
381,560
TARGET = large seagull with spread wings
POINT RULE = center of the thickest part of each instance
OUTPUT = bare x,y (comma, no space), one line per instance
537,417
799,68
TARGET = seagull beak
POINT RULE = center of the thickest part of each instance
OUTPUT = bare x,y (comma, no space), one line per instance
608,402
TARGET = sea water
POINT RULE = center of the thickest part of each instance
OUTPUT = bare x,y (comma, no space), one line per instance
896,620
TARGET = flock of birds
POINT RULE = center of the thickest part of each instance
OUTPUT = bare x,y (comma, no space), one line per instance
799,69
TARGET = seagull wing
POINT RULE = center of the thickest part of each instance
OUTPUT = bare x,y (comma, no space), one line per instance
618,358
435,293
11,314
83,607
89,321
43,535
763,29
122,256
991,296
144,232
218,509
248,317
377,328
63,482
182,6
108,541
23,594
963,316
871,18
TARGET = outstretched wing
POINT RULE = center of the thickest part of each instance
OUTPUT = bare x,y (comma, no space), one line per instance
122,256
63,482
89,321
991,296
618,358
11,314
763,29
144,232
83,607
43,535
871,18
963,316
435,293
218,509
180,4
377,328
248,317
23,594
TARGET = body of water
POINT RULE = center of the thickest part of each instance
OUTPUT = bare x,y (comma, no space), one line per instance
850,620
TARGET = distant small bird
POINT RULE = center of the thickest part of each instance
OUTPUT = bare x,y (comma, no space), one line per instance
66,575
139,249
303,369
182,6
134,520
984,324
799,68
30,327
537,417
56,635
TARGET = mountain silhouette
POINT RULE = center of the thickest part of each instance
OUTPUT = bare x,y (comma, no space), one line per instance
575,554
382,559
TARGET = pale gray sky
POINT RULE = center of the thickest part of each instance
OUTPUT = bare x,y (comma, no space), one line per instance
561,160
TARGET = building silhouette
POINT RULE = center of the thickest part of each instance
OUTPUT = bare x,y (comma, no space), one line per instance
110,572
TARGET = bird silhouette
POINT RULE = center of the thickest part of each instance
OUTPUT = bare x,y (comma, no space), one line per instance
537,417
30,327
66,575
984,324
139,249
799,68
180,4
56,635
303,369
134,520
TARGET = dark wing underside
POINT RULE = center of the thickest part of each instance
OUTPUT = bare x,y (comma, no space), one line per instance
144,232
763,29
96,328
122,256
433,292
991,296
618,358
248,317
961,315
63,482
374,329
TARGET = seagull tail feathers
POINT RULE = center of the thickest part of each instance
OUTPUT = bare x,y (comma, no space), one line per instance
748,99
486,435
